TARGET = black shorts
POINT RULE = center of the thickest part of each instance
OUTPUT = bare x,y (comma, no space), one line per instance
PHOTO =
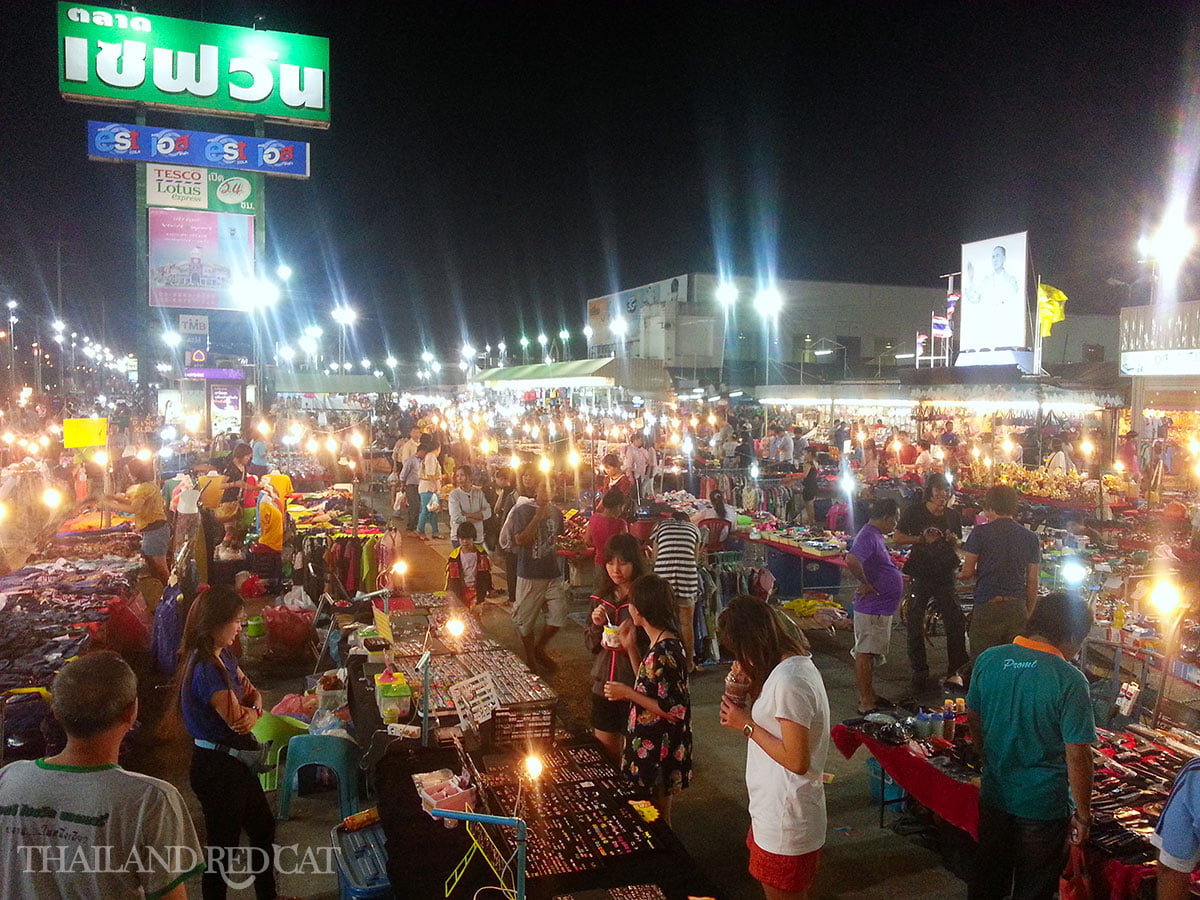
610,715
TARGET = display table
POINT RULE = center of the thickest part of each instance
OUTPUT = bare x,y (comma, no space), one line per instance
422,852
955,801
797,570
958,803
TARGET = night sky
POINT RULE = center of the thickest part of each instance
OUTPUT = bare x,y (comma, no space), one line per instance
492,165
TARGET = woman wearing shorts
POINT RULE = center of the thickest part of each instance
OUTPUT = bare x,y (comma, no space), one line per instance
787,734
145,500
623,563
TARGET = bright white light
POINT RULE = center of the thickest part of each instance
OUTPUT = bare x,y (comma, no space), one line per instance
100,458
314,331
524,342
768,302
687,446
166,452
824,351
426,357
284,271
548,359
436,366
1074,572
727,293
564,335
849,484
542,339
1165,596
619,326
391,362
754,470
57,325
399,567
344,315
356,439
169,433
587,332
1169,246
255,293
468,351
171,338
52,497
906,356
12,304
455,628
502,347
462,364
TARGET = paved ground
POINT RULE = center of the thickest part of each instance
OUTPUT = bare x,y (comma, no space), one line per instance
861,859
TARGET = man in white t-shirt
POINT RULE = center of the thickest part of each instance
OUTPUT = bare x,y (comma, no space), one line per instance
77,824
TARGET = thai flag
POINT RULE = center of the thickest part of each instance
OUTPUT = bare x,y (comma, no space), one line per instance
940,327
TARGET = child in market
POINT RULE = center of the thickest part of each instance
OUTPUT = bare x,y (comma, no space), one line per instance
468,569
658,752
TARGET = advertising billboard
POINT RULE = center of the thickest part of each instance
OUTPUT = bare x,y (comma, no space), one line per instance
122,58
198,258
994,308
628,304
225,409
187,187
117,142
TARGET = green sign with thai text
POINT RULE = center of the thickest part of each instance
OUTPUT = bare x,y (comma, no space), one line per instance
125,58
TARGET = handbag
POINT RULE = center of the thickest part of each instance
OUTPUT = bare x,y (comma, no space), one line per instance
229,510
1075,883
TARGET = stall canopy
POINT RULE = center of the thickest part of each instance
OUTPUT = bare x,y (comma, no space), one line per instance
319,383
642,377
978,398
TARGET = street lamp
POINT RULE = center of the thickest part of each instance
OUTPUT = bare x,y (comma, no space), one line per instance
287,353
345,316
524,349
283,272
727,294
171,338
542,340
768,303
1166,251
826,347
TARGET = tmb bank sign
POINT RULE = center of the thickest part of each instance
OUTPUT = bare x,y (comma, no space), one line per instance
135,143
111,56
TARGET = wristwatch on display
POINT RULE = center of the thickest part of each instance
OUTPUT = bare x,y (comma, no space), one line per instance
748,729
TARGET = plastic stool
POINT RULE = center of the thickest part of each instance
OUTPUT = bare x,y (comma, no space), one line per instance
335,753
277,731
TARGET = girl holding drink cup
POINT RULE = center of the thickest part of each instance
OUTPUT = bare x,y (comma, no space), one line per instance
624,563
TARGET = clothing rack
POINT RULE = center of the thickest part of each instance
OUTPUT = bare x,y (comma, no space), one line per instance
724,575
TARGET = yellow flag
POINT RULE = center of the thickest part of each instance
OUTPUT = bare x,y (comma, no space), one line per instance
1051,307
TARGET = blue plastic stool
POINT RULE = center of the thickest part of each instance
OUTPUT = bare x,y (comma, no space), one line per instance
335,753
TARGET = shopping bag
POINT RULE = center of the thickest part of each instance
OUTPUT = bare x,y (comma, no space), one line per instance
434,504
1075,883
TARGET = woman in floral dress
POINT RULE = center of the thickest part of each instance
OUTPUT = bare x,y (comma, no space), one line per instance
658,752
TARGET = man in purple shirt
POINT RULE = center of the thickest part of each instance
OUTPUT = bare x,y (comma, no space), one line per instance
876,601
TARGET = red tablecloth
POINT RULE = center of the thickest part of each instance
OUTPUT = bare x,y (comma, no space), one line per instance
955,801
958,803
839,560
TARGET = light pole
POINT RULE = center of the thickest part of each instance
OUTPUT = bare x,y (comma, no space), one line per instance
503,350
542,340
524,349
768,303
587,336
12,343
391,362
619,327
1166,251
564,338
345,316
727,295
826,347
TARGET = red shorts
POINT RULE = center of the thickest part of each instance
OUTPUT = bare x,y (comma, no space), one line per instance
784,873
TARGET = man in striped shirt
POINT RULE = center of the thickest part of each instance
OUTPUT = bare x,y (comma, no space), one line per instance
676,546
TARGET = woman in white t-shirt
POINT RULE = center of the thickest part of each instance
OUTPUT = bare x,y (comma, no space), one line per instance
787,730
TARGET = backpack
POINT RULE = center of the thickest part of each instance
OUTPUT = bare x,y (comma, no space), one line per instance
167,632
